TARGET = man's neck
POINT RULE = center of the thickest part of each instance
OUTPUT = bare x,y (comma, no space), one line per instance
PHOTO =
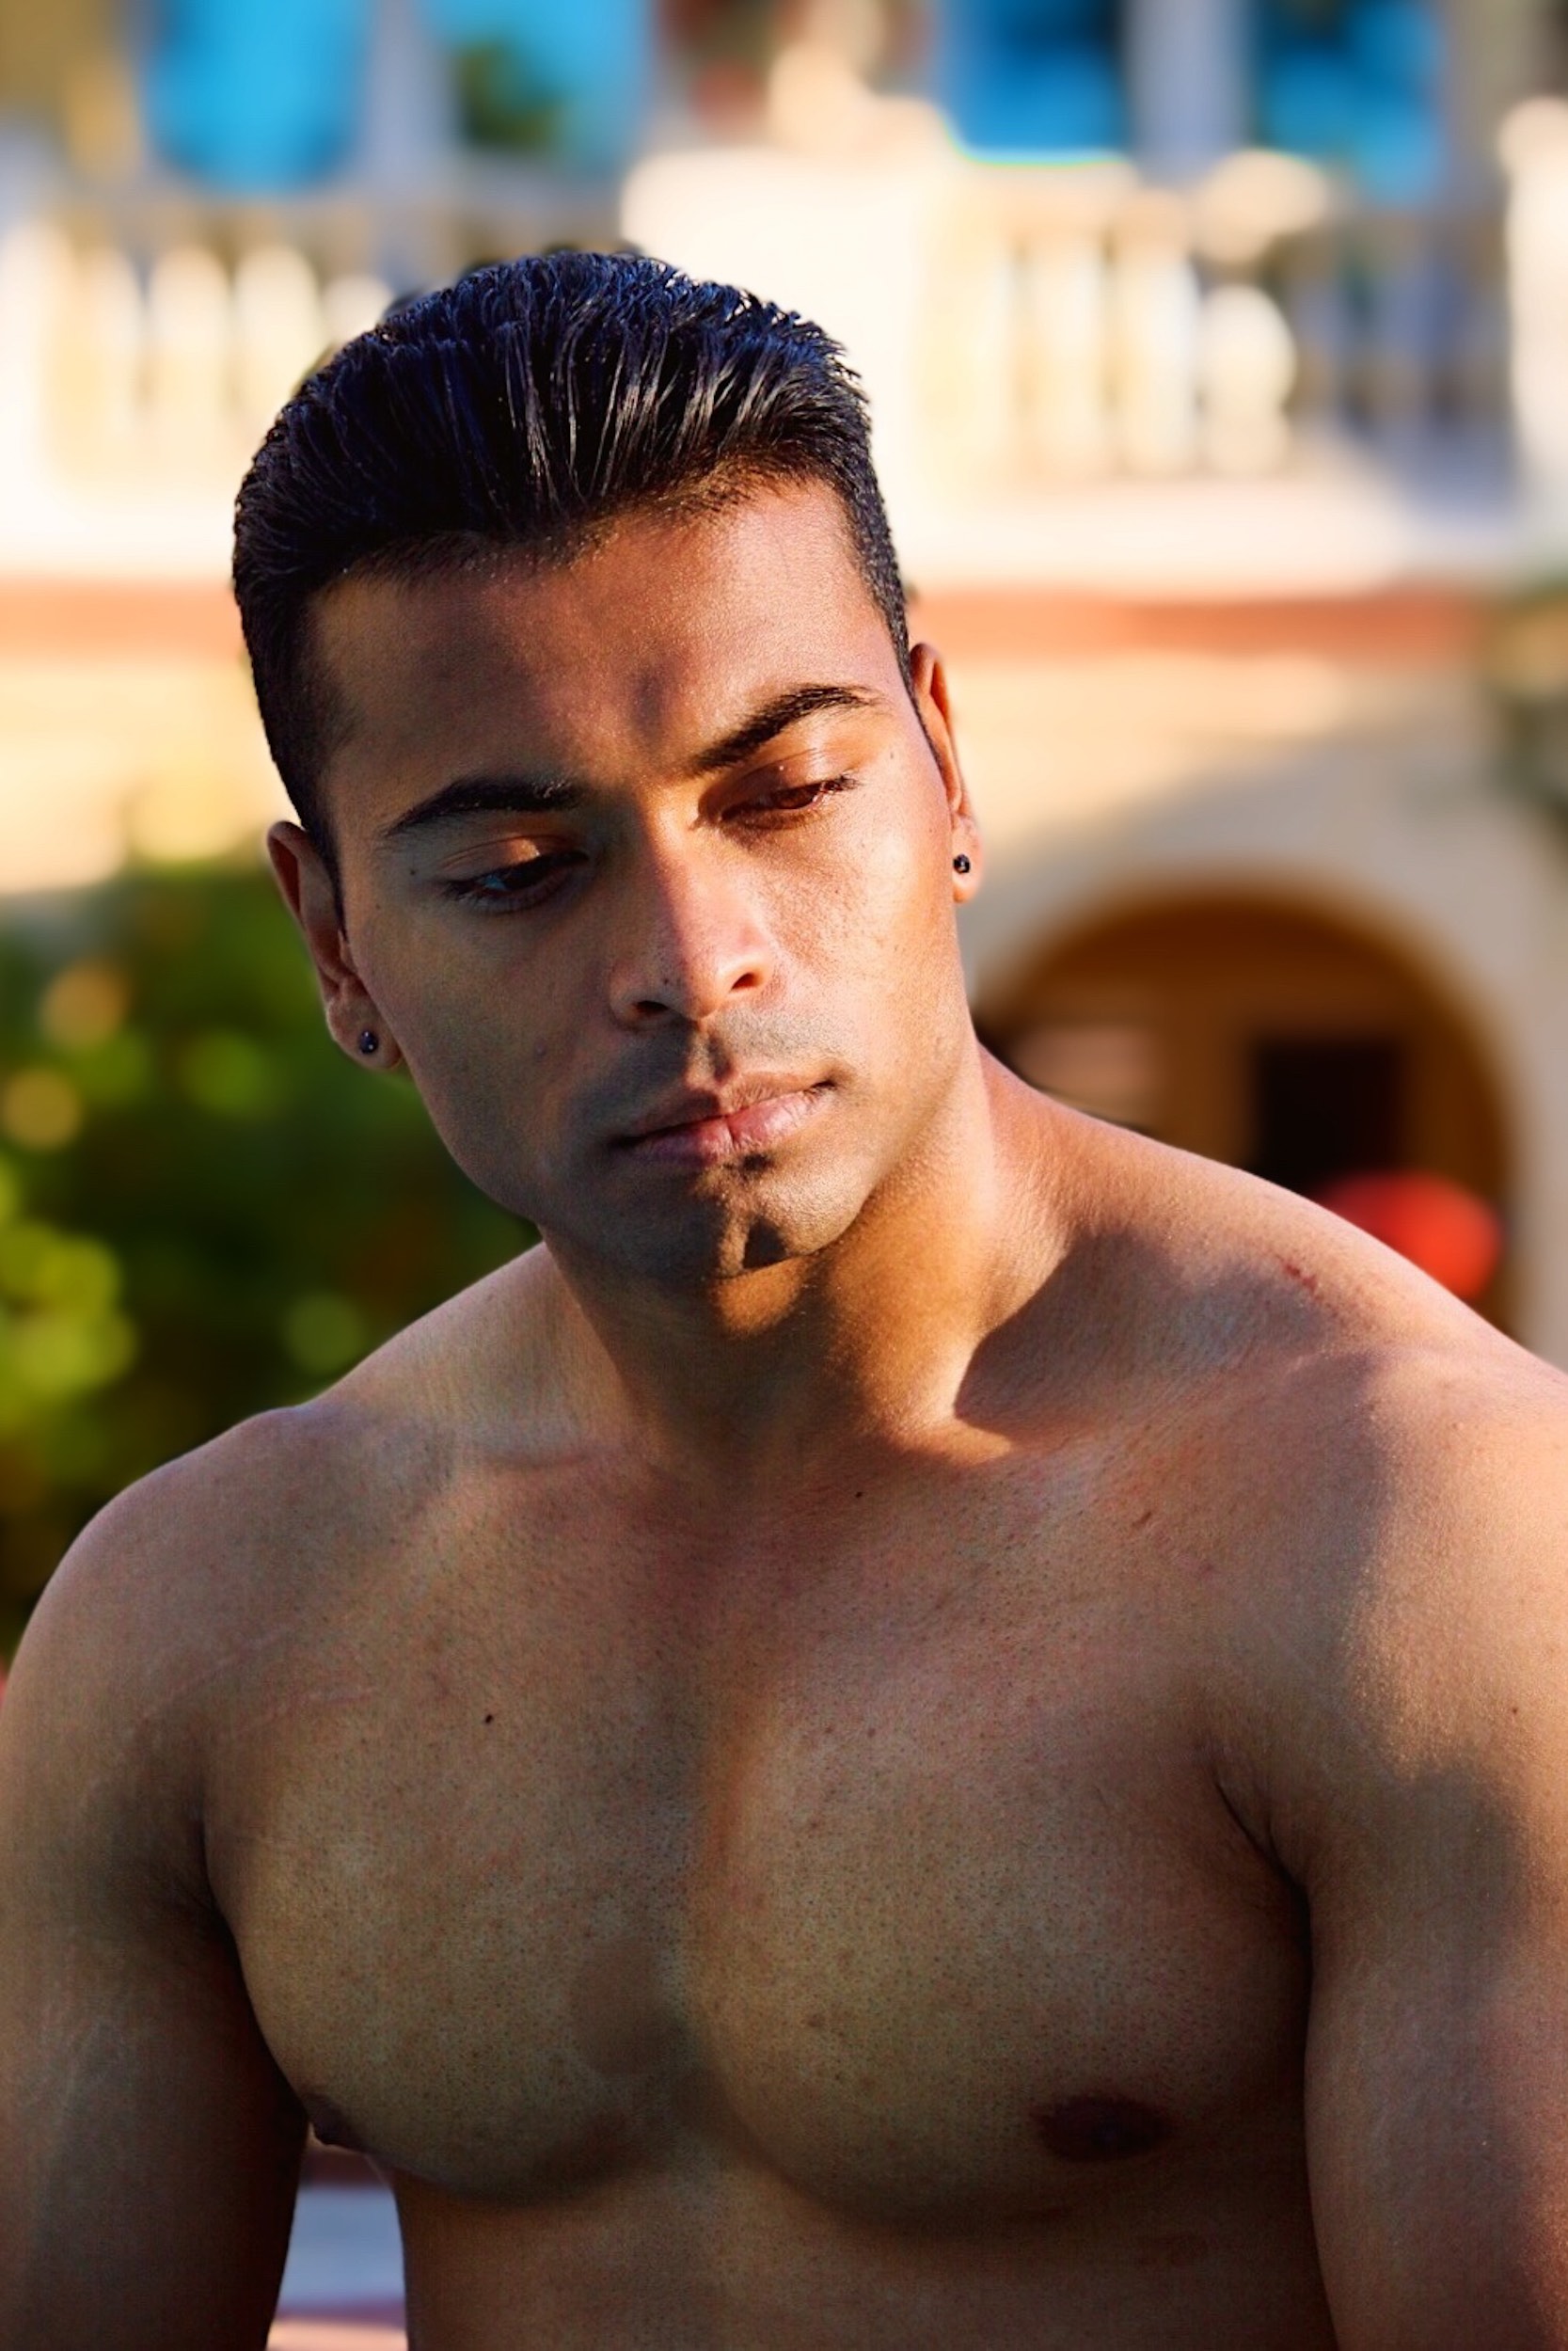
862,1343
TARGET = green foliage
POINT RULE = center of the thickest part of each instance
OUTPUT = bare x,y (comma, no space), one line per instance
203,1210
501,104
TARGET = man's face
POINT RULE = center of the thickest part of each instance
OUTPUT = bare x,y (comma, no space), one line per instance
648,871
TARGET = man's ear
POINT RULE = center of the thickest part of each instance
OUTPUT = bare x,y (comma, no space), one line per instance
310,894
928,688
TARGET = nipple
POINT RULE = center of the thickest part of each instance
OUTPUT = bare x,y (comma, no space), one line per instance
1099,2130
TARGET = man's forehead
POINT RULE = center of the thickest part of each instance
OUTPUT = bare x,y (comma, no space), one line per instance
657,613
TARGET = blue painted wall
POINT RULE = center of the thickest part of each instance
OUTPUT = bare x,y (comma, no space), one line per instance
255,93
1359,84
583,64
1031,76
259,94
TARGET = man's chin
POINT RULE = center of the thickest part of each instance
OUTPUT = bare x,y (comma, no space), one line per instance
720,1230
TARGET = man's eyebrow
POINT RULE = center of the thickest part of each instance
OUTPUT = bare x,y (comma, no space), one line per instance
486,795
524,794
786,709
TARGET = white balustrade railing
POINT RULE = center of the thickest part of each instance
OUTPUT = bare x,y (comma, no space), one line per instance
166,378
1080,324
1020,327
1535,153
1066,323
132,396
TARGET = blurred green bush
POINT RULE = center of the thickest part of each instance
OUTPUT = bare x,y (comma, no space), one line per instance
203,1211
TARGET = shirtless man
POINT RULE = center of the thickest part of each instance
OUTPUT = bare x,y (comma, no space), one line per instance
935,1726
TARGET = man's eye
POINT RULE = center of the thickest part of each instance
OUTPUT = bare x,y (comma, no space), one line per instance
522,882
791,800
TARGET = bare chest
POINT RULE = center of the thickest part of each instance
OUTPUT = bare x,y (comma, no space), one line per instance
932,1918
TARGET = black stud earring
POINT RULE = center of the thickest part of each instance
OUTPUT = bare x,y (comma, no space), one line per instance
961,863
369,1040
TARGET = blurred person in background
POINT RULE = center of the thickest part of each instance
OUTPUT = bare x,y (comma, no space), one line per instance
936,1722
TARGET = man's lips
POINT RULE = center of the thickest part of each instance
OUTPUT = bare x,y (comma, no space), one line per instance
705,1129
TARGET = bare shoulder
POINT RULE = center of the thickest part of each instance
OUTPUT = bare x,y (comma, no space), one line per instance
1354,1375
1210,1236
1396,1614
1250,1294
206,1574
163,1601
1403,1692
1379,1476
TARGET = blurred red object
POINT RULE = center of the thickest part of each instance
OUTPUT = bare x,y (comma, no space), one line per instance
1437,1224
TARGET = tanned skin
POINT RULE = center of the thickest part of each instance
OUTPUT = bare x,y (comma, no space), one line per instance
935,1726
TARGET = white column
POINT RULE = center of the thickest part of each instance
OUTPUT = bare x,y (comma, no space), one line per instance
408,114
407,131
1535,152
1188,83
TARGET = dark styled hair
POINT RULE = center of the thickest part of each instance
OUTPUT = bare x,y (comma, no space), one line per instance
528,406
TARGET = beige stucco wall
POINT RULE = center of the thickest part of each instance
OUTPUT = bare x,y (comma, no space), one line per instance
102,757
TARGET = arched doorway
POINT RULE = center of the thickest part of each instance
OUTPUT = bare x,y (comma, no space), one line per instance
1265,1033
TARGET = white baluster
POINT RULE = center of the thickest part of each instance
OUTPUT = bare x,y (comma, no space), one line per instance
1067,328
281,332
970,369
190,319
112,350
1247,369
1535,150
38,278
1157,309
351,306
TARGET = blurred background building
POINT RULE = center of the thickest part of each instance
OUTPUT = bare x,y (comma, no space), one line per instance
1218,352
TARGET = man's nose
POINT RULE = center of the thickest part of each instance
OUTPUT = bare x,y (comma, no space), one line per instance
688,939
